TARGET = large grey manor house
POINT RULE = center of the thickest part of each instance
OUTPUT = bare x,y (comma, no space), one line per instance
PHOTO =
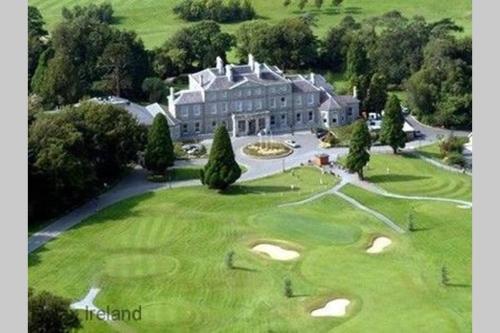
247,99
252,97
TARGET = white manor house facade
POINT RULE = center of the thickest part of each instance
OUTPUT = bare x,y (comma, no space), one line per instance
253,97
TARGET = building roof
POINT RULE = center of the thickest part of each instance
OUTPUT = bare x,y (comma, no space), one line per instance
143,114
300,84
345,100
327,101
189,97
212,79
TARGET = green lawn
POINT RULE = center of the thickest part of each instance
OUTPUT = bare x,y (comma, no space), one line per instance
154,21
410,175
165,251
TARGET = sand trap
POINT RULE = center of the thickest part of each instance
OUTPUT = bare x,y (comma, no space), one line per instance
464,207
87,303
335,308
276,252
379,244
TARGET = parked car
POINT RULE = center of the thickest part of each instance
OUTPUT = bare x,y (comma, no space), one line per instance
319,132
292,144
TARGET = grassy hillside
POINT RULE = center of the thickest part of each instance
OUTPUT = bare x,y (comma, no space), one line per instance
154,21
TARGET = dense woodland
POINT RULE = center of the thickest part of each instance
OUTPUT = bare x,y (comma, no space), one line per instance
74,151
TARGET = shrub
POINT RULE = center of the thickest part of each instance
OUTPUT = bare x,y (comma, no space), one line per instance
215,10
229,259
288,288
455,158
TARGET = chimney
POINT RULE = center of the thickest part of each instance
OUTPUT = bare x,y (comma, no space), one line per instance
172,93
354,92
312,78
258,68
229,72
201,80
251,61
219,65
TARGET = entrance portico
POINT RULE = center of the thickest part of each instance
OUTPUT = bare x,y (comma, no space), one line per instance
249,123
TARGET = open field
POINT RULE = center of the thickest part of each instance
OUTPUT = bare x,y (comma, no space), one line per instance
154,21
165,251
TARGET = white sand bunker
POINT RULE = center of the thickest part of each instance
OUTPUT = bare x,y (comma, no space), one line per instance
379,244
464,207
276,252
334,308
87,304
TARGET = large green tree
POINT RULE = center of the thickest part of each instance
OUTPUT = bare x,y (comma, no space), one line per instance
50,313
376,94
333,50
359,146
393,121
36,44
289,43
159,153
440,93
74,152
196,45
221,169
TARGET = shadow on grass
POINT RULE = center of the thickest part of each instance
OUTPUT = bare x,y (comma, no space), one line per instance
115,212
245,269
300,295
352,10
394,178
419,229
257,189
459,285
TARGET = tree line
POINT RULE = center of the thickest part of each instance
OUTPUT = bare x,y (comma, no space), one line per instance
216,10
85,55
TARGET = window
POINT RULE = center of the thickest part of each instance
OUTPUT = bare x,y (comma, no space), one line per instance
213,108
349,111
223,94
272,90
214,123
196,110
224,107
237,93
273,102
283,116
273,121
283,101
248,92
298,100
334,120
258,91
239,106
184,128
284,88
184,112
325,120
310,99
310,116
299,117
248,105
197,127
258,104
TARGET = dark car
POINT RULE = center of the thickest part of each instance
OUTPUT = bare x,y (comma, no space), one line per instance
320,132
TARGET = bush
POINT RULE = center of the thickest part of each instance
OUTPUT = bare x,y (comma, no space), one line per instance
229,260
288,291
455,158
215,10
451,144
330,140
50,313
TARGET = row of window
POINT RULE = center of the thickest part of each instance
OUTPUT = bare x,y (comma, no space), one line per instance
248,92
247,105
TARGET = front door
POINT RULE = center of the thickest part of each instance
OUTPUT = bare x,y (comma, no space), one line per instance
251,127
